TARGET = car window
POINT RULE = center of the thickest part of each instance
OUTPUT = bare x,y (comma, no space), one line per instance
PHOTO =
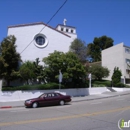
42,96
49,95
57,95
53,95
45,95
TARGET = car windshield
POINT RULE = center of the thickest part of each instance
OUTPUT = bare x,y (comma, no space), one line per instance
43,95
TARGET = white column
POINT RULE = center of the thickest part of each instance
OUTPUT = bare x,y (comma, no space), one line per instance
89,76
1,84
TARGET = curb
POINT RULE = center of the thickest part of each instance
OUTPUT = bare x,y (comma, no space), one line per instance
94,99
4,107
101,97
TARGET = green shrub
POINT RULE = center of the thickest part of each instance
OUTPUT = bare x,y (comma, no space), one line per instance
84,84
34,87
127,86
120,85
116,77
101,83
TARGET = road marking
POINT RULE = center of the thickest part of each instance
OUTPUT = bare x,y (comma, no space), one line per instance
95,103
64,117
65,106
119,113
18,110
120,99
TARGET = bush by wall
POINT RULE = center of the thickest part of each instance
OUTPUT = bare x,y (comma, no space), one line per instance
120,85
33,87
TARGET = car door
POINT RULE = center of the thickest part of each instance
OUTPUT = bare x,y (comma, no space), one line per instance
56,98
48,100
52,99
42,100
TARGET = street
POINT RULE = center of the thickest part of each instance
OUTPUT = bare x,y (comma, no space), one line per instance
102,114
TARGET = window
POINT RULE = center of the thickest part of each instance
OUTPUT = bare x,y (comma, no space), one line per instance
57,95
127,50
72,31
53,95
128,61
61,29
40,41
66,30
49,95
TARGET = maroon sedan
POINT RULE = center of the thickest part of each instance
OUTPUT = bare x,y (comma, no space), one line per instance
48,99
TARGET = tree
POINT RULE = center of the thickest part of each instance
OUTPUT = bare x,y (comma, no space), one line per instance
53,64
99,72
99,44
27,71
80,49
39,70
68,63
9,59
116,77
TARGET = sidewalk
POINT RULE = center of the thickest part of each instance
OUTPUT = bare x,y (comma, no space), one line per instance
15,104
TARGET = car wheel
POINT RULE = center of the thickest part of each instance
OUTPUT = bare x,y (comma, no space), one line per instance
35,105
62,102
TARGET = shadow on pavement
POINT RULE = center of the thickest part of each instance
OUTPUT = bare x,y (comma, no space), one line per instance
111,89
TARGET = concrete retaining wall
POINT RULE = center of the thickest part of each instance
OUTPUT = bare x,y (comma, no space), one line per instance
23,95
121,89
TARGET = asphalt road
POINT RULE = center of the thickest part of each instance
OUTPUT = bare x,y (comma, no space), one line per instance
102,114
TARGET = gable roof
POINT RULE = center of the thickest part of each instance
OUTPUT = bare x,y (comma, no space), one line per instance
37,23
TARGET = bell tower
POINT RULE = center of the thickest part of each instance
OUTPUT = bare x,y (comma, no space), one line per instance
69,30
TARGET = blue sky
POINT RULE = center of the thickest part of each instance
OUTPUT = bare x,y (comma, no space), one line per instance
92,18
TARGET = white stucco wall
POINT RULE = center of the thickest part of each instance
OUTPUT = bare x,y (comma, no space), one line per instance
126,56
26,34
114,57
23,95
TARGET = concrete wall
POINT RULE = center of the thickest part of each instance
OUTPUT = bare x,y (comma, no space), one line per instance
121,89
116,56
23,95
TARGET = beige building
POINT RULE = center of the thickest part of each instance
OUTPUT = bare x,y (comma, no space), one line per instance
117,56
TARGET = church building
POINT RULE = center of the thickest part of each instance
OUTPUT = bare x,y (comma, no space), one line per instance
37,40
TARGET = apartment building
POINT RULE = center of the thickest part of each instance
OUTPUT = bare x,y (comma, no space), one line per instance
117,56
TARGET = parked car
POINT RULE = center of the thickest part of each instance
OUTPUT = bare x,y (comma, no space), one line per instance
53,98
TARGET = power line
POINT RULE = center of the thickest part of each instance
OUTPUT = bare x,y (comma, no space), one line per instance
46,24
